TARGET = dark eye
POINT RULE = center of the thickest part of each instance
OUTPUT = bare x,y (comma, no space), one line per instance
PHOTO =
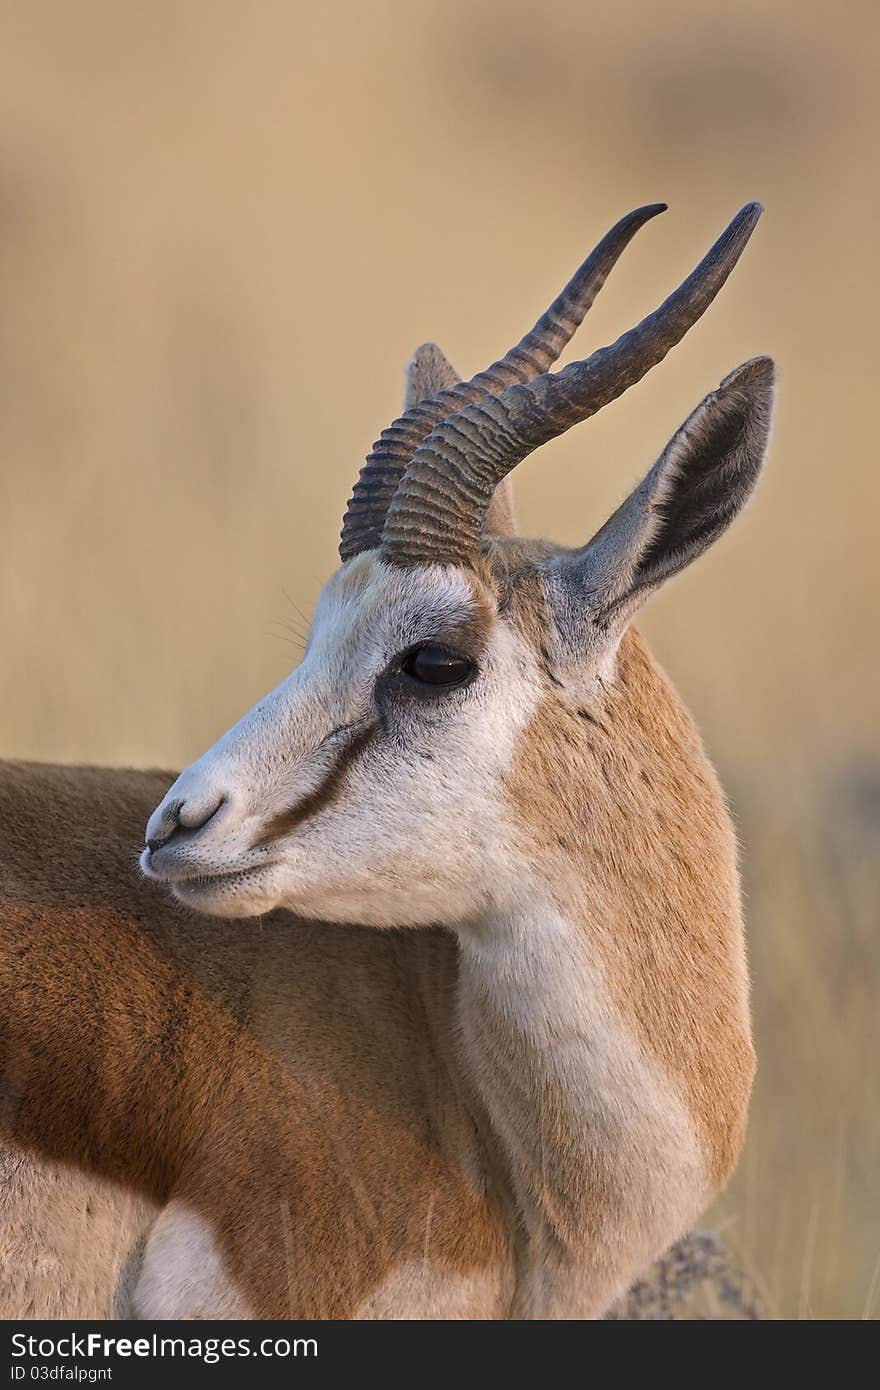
430,665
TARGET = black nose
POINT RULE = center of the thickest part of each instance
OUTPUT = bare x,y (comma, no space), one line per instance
169,826
182,815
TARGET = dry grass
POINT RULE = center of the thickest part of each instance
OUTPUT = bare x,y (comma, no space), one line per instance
803,1209
222,230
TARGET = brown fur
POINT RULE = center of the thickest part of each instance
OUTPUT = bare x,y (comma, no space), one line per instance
638,846
262,1072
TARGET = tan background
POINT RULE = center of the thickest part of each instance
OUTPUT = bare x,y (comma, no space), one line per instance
222,230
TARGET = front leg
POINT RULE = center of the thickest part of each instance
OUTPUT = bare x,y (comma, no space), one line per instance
68,1239
185,1273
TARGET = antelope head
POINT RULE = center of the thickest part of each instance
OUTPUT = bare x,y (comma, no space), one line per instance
383,781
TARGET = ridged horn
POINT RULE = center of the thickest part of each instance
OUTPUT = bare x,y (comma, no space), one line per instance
388,460
437,512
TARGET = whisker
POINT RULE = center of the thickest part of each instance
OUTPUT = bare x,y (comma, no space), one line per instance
295,606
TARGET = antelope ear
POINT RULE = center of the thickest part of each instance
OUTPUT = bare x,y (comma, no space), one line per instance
427,372
701,481
501,516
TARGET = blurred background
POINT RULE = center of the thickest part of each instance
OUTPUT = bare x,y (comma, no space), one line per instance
223,228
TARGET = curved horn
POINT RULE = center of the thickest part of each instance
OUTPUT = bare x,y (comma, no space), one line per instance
387,462
437,512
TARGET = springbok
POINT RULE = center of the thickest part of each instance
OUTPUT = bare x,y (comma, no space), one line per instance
508,1109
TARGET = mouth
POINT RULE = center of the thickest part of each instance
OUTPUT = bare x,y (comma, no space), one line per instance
191,884
238,895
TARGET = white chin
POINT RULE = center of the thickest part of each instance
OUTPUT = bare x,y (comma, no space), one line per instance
362,905
230,898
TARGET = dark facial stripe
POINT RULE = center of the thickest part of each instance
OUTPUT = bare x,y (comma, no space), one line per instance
325,792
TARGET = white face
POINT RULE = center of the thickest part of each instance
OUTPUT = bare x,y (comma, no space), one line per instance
359,791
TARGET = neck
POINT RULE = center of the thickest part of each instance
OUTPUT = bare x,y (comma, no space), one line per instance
594,1139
